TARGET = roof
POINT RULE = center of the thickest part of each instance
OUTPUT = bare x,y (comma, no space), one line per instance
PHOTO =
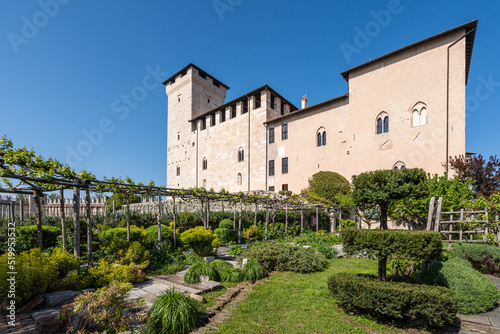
265,87
346,95
185,68
469,26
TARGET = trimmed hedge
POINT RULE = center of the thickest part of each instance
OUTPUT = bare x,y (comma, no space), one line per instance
27,237
434,305
226,235
485,258
476,293
226,223
136,234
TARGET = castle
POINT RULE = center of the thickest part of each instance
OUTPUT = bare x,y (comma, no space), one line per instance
405,109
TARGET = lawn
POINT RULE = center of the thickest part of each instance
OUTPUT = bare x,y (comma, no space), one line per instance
301,303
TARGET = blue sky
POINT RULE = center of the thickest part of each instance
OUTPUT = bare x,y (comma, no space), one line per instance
67,65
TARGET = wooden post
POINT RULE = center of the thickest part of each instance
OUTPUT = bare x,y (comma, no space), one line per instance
89,231
208,214
128,219
486,229
301,218
317,219
104,211
234,216
274,217
255,214
294,221
37,195
496,221
175,220
76,221
286,219
450,228
239,223
437,224
267,220
114,204
159,221
461,220
21,202
63,218
340,220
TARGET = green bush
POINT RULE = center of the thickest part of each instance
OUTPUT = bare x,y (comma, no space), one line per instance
201,241
63,261
186,219
136,234
226,272
436,306
198,269
253,233
226,223
253,270
226,235
27,237
284,256
35,271
106,273
137,255
167,235
485,258
235,250
172,312
475,292
319,241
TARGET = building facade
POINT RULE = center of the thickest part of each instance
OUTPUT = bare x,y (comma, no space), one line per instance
405,109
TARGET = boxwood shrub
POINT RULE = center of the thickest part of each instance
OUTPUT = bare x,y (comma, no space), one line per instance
226,235
475,292
430,305
485,258
226,223
27,237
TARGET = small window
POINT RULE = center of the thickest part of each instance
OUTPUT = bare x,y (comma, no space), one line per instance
178,98
382,123
233,111
271,135
282,111
399,165
284,187
178,172
271,167
204,164
271,188
284,165
193,126
212,119
244,106
223,116
379,125
386,124
203,124
324,138
419,114
178,136
241,154
256,101
239,179
205,183
273,100
319,139
284,131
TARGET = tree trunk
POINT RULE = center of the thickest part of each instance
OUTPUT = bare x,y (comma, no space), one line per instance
76,221
286,219
89,230
267,221
128,219
255,215
63,219
175,221
159,220
239,222
38,218
317,219
383,217
382,268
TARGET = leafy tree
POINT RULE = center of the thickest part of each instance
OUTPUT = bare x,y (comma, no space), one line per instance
329,186
384,187
121,199
455,194
486,174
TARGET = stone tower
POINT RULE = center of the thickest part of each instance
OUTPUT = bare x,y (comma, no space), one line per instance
191,92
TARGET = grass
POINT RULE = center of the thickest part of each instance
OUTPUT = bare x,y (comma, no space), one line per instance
301,303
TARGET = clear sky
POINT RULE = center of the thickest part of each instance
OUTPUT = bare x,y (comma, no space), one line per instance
74,70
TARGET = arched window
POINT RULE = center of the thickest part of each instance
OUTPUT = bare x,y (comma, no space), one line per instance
382,123
205,183
319,139
324,138
241,154
379,125
238,179
419,114
204,164
386,124
400,165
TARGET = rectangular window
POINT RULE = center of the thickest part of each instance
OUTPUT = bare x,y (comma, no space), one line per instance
284,187
203,124
233,111
273,98
256,101
284,131
193,126
244,106
178,172
271,167
284,165
223,115
271,135
271,188
212,119
282,108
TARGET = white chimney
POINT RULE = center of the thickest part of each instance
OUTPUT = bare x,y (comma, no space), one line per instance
304,102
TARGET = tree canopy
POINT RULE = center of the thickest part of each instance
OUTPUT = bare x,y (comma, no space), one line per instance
329,186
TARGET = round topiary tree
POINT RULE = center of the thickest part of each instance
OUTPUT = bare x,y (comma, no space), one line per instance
329,186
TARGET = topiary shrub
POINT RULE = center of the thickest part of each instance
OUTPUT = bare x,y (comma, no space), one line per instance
27,237
226,223
435,306
475,292
485,258
226,235
136,234
253,270
284,256
167,235
172,312
201,241
186,219
415,245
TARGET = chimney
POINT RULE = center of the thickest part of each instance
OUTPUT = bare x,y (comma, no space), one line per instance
304,101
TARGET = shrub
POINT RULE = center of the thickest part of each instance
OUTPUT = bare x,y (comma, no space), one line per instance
226,235
35,271
105,274
159,259
226,223
485,258
63,261
319,241
235,250
437,306
414,245
186,219
137,255
100,311
167,235
201,241
27,237
172,312
200,268
475,292
253,270
253,233
109,235
226,272
284,256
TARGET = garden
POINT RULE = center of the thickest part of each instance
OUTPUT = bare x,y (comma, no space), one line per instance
298,261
